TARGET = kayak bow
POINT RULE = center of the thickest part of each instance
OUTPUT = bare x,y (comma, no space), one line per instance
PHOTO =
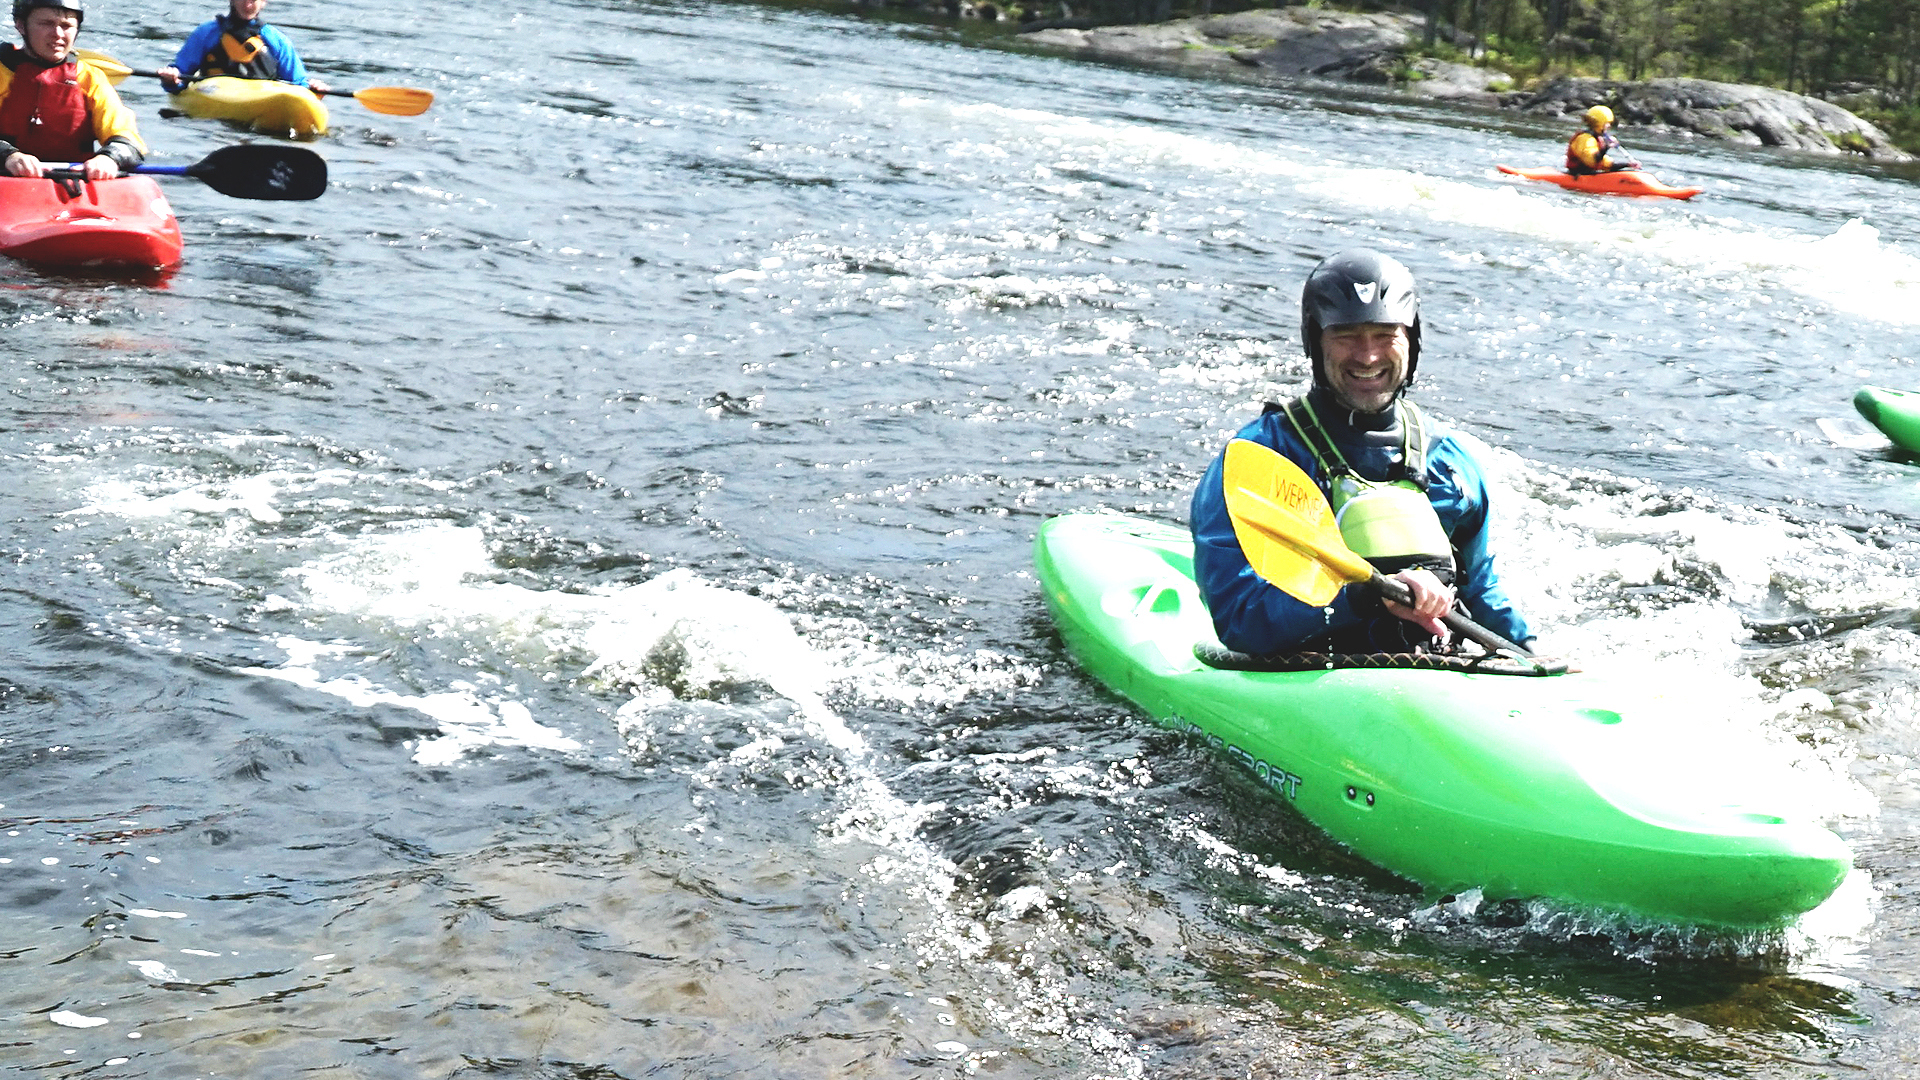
1570,787
269,107
124,223
1895,412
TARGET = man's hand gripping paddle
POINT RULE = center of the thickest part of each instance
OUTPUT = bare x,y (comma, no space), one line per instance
1283,523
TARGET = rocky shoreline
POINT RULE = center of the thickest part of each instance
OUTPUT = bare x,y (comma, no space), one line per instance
1378,49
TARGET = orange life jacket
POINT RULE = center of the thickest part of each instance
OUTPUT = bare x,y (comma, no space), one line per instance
1604,144
240,52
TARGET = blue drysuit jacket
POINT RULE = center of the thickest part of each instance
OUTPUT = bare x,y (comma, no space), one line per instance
207,35
1252,616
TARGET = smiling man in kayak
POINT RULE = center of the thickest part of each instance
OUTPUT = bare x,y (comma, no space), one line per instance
238,43
1408,495
55,110
1594,149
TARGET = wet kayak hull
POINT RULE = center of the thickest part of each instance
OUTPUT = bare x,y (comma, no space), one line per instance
1566,787
1626,182
124,223
269,107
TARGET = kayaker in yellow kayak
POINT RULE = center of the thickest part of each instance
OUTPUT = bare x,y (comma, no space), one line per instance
238,43
55,110
1595,149
1408,495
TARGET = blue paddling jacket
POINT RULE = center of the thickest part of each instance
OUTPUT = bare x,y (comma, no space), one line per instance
278,61
1252,616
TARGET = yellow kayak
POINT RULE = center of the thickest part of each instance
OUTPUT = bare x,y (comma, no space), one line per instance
271,108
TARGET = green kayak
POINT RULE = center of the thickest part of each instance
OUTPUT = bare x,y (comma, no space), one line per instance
1568,787
1895,412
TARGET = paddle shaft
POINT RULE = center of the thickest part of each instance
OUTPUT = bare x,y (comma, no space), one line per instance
189,79
74,171
1398,592
1360,572
331,91
391,100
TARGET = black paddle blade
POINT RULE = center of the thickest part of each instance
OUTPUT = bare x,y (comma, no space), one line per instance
259,171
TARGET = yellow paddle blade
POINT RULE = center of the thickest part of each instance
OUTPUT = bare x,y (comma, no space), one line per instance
394,100
1285,526
115,71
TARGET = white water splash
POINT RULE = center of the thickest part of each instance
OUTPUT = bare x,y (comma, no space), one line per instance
249,495
469,720
718,636
673,638
1852,269
1562,545
155,970
434,579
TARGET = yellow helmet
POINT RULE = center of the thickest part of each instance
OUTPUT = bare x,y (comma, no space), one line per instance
1598,117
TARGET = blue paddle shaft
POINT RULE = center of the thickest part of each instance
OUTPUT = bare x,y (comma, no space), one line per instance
78,170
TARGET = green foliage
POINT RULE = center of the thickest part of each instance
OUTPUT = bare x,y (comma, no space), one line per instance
1819,47
1902,124
1851,141
1857,50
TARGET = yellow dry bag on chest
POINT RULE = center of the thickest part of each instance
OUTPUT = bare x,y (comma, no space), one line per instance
1390,523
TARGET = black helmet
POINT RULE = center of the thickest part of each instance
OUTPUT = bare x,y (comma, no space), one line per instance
1358,286
22,7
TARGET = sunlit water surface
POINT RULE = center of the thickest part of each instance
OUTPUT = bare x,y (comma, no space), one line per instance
558,605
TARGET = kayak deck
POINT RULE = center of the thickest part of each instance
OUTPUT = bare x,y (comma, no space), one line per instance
124,223
269,107
1567,787
1624,182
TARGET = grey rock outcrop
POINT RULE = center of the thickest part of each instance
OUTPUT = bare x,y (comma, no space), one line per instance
1378,48
1284,41
1748,115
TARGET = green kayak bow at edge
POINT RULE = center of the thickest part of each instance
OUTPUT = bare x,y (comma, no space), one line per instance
1568,787
1895,412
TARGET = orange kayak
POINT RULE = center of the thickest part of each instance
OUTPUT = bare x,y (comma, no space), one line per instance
1626,182
123,223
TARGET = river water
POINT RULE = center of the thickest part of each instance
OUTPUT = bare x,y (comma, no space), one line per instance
559,606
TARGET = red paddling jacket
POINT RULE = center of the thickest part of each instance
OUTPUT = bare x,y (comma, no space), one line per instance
63,112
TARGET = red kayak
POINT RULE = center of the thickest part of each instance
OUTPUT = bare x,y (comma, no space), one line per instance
124,223
1625,182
